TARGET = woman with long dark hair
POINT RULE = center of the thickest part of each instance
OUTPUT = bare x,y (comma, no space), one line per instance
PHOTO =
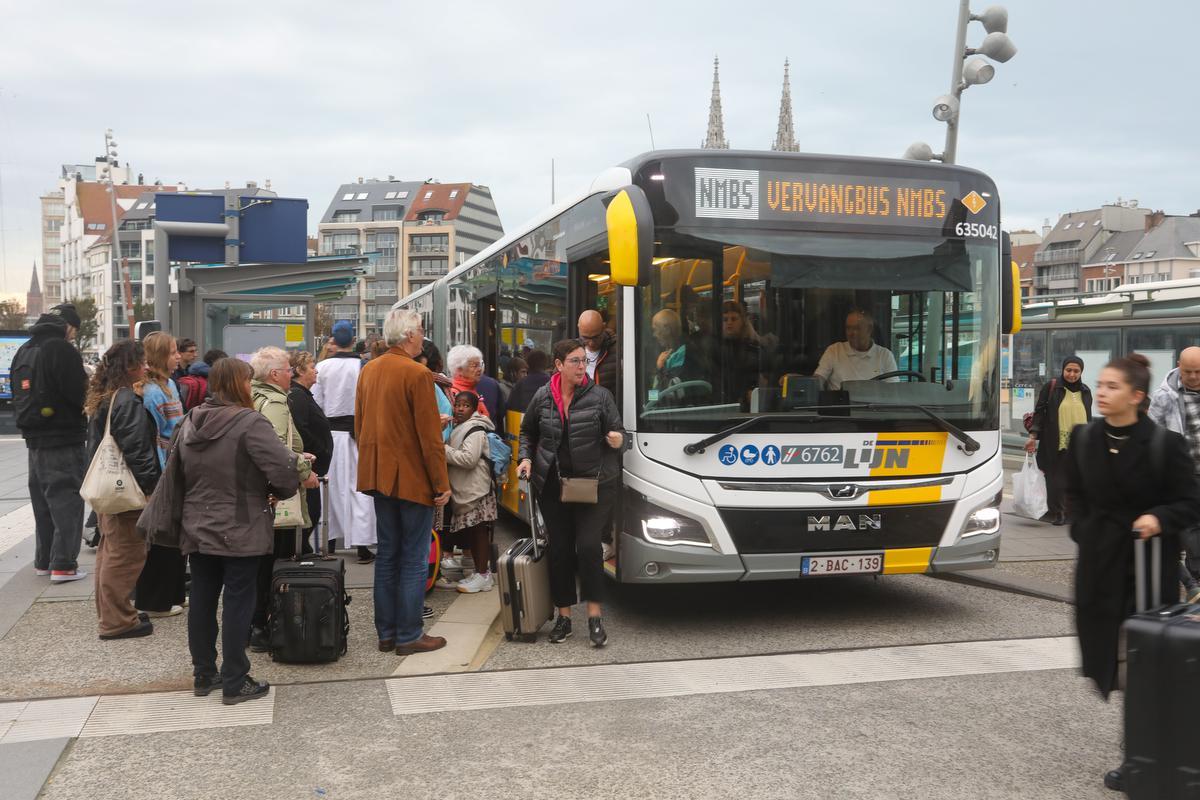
1063,403
232,463
162,587
114,403
1124,477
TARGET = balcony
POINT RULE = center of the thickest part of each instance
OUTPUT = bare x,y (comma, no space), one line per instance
1070,255
430,249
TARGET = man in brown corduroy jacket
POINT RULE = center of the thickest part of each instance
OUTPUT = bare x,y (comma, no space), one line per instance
402,466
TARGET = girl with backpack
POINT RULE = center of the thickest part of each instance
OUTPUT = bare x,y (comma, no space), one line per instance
1125,477
472,492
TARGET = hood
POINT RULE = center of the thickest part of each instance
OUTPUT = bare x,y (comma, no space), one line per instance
556,393
1172,380
200,368
49,325
268,389
477,420
212,420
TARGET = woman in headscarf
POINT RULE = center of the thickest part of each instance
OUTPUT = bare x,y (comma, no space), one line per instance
1063,403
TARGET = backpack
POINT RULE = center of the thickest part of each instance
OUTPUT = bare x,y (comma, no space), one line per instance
28,396
499,453
1027,420
193,388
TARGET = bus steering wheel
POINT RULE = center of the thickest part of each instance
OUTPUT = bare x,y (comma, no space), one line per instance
896,373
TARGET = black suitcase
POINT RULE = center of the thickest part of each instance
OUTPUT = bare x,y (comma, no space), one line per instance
307,621
1162,691
523,577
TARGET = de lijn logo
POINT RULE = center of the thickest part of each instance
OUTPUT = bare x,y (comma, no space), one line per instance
727,193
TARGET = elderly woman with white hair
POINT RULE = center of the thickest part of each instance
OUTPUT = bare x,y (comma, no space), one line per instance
466,366
269,391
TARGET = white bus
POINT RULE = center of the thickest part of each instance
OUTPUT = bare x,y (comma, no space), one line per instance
745,465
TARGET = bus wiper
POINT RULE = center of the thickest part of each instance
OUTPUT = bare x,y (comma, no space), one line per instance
698,447
969,444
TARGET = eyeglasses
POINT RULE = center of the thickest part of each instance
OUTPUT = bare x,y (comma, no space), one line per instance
576,362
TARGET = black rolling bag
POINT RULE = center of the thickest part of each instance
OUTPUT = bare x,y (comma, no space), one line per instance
307,621
1162,691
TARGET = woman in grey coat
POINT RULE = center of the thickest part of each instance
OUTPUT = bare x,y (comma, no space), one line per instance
232,465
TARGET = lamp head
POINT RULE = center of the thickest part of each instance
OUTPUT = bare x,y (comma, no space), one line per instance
919,151
994,19
998,47
978,71
945,108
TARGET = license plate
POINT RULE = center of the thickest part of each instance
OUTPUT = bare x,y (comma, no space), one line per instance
856,564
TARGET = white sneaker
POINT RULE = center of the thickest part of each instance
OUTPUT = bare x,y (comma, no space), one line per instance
174,612
41,572
445,583
452,564
478,582
65,575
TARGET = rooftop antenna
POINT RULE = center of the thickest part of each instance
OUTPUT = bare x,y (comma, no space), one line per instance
651,128
552,181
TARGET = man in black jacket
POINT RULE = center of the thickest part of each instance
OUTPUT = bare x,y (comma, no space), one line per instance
600,347
55,433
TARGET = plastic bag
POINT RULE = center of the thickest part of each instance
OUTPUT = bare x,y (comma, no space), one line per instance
1029,491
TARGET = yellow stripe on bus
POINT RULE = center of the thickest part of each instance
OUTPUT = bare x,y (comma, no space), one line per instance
904,455
510,497
906,560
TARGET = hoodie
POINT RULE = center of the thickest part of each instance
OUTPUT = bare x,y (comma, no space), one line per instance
468,464
231,459
1167,407
59,372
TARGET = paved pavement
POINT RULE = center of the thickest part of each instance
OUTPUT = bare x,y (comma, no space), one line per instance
745,713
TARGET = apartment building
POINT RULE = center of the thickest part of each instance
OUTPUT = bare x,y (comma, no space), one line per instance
413,231
1075,240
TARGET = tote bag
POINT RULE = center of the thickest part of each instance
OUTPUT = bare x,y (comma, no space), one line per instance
1029,491
109,486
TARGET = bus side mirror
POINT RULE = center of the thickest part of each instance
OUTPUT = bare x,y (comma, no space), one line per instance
1010,288
630,226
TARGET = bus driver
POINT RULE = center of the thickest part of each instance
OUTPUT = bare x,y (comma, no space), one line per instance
858,358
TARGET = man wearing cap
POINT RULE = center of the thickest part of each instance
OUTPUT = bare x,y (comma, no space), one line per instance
49,389
351,513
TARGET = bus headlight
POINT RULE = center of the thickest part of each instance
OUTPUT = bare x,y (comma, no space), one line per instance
980,521
674,530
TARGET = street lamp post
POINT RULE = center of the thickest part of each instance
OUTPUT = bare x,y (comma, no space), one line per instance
965,73
107,173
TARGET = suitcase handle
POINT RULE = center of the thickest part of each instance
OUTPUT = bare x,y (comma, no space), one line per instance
1141,601
322,530
537,525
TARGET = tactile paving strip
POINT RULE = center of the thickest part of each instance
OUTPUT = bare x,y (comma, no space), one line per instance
614,682
125,715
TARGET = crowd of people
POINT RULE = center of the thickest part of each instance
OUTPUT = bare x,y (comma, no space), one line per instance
223,448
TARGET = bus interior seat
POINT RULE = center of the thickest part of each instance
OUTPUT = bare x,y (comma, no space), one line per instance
764,398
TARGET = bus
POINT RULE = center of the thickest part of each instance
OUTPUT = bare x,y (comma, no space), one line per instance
745,465
1156,319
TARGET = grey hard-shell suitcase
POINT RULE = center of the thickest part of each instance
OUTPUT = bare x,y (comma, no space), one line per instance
1162,691
307,621
523,574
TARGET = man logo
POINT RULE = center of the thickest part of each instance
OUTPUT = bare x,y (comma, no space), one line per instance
845,522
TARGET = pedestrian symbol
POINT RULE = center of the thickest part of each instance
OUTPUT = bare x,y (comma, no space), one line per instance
749,454
728,455
770,455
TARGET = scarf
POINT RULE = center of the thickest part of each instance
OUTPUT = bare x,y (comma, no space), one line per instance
460,384
1071,386
556,394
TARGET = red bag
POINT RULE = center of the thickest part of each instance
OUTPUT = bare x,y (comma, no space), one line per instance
1027,420
193,388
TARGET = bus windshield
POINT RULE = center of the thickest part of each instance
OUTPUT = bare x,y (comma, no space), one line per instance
823,332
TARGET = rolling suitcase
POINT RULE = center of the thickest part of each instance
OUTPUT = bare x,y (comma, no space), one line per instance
307,621
1162,690
523,577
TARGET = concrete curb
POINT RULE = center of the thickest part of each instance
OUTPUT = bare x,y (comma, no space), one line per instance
466,624
1013,584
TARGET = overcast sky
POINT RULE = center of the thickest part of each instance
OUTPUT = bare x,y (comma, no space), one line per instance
1100,101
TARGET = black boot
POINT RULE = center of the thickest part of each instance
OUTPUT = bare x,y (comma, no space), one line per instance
1115,779
596,632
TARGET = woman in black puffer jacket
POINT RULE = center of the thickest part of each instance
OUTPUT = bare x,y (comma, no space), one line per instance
572,428
122,551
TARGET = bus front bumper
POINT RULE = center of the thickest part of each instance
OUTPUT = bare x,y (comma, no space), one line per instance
976,552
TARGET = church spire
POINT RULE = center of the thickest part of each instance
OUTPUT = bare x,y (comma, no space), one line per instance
34,304
715,140
785,136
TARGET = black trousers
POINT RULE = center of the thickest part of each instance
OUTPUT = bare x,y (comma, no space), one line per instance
163,580
1056,483
211,574
574,531
285,547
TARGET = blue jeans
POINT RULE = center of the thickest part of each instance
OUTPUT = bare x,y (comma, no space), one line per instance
401,567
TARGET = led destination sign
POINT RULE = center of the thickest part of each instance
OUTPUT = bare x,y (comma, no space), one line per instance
763,195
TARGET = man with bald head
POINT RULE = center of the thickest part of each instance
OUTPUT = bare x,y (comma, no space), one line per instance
1176,406
600,347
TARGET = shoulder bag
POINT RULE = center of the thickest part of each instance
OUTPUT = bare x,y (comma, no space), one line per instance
289,513
109,486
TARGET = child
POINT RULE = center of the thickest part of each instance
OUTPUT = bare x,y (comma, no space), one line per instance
473,497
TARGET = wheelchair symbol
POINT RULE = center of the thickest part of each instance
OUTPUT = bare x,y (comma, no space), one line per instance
728,455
